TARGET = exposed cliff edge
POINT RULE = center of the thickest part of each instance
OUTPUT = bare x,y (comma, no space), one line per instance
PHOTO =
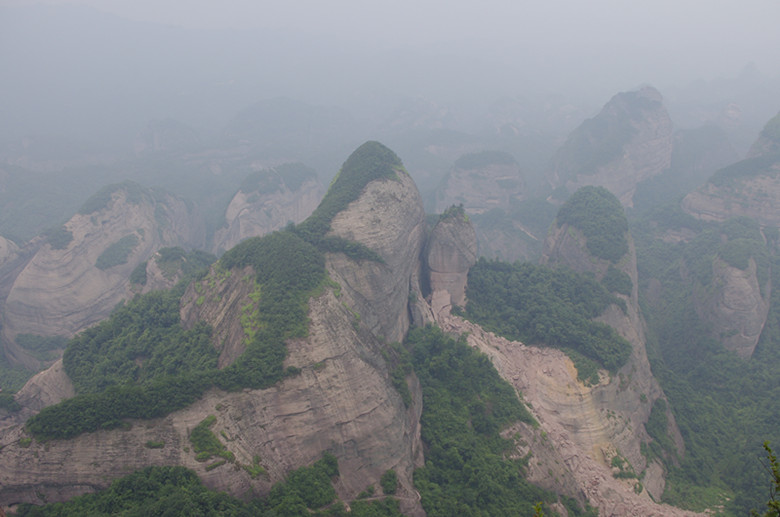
267,201
450,251
342,400
734,305
630,395
629,141
388,219
579,431
83,271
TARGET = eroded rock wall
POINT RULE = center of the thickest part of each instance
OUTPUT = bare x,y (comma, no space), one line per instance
62,291
342,402
389,219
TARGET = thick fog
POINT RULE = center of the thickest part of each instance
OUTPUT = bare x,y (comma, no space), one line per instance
98,68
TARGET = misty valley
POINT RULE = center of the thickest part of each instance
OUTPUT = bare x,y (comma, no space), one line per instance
387,305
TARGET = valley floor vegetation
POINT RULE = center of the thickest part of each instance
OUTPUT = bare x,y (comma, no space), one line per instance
725,406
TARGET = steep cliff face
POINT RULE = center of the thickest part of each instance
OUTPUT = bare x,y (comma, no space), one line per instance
267,201
581,428
481,182
734,305
451,250
748,188
620,405
629,141
342,401
83,271
389,219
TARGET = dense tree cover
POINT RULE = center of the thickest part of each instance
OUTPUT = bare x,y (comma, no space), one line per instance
140,363
540,305
118,252
465,405
617,281
177,492
59,237
141,341
599,214
175,260
483,159
724,406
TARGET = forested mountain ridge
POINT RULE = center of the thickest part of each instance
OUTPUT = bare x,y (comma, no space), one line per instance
628,141
336,389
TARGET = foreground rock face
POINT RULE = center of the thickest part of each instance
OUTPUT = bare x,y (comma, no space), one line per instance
266,208
389,219
450,253
62,291
580,427
629,396
735,306
342,402
629,141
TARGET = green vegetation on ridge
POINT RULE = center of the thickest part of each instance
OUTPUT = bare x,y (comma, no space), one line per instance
599,214
466,404
140,363
178,492
553,307
724,406
371,161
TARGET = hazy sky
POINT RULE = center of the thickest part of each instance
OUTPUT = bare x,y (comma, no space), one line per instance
703,34
444,50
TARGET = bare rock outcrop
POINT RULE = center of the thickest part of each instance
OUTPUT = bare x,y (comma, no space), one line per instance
629,141
76,281
578,425
389,219
735,306
451,250
267,201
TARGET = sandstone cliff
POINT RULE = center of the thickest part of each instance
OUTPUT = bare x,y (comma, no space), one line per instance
78,277
343,401
451,250
389,219
734,305
748,188
267,201
629,141
622,403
